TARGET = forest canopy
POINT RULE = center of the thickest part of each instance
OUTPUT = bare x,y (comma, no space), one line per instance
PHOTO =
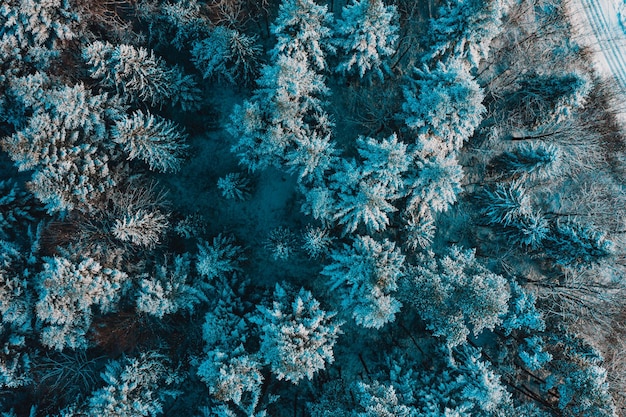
314,208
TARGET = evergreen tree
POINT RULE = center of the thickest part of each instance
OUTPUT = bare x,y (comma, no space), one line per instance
366,275
572,243
533,160
68,292
139,75
366,34
464,30
444,106
297,337
227,54
66,143
457,295
154,140
303,27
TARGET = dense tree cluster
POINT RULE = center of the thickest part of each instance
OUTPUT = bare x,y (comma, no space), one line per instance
307,208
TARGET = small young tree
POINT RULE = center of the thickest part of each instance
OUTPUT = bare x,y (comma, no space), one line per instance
541,99
297,336
366,275
506,204
537,161
141,228
366,34
219,258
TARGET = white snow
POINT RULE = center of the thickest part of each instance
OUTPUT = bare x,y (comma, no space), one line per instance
597,24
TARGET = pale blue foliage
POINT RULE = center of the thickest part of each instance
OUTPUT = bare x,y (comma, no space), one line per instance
16,317
506,203
284,115
444,106
297,336
133,387
32,31
141,228
156,141
65,142
233,376
533,160
385,160
227,54
366,275
464,30
361,199
456,295
312,157
585,392
68,291
480,386
139,75
231,373
316,241
366,34
303,28
523,314
550,98
170,289
437,185
575,244
381,401
15,207
219,258
234,186
532,353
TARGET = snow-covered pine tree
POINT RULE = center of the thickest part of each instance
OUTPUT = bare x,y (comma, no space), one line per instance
361,199
297,336
443,106
436,186
68,292
218,258
139,75
33,32
170,289
66,143
303,28
156,141
577,245
366,35
463,30
457,295
228,55
366,275
133,387
534,160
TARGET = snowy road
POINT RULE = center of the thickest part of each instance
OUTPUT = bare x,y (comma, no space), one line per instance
599,27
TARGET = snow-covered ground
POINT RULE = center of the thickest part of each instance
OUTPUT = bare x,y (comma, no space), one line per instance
601,25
